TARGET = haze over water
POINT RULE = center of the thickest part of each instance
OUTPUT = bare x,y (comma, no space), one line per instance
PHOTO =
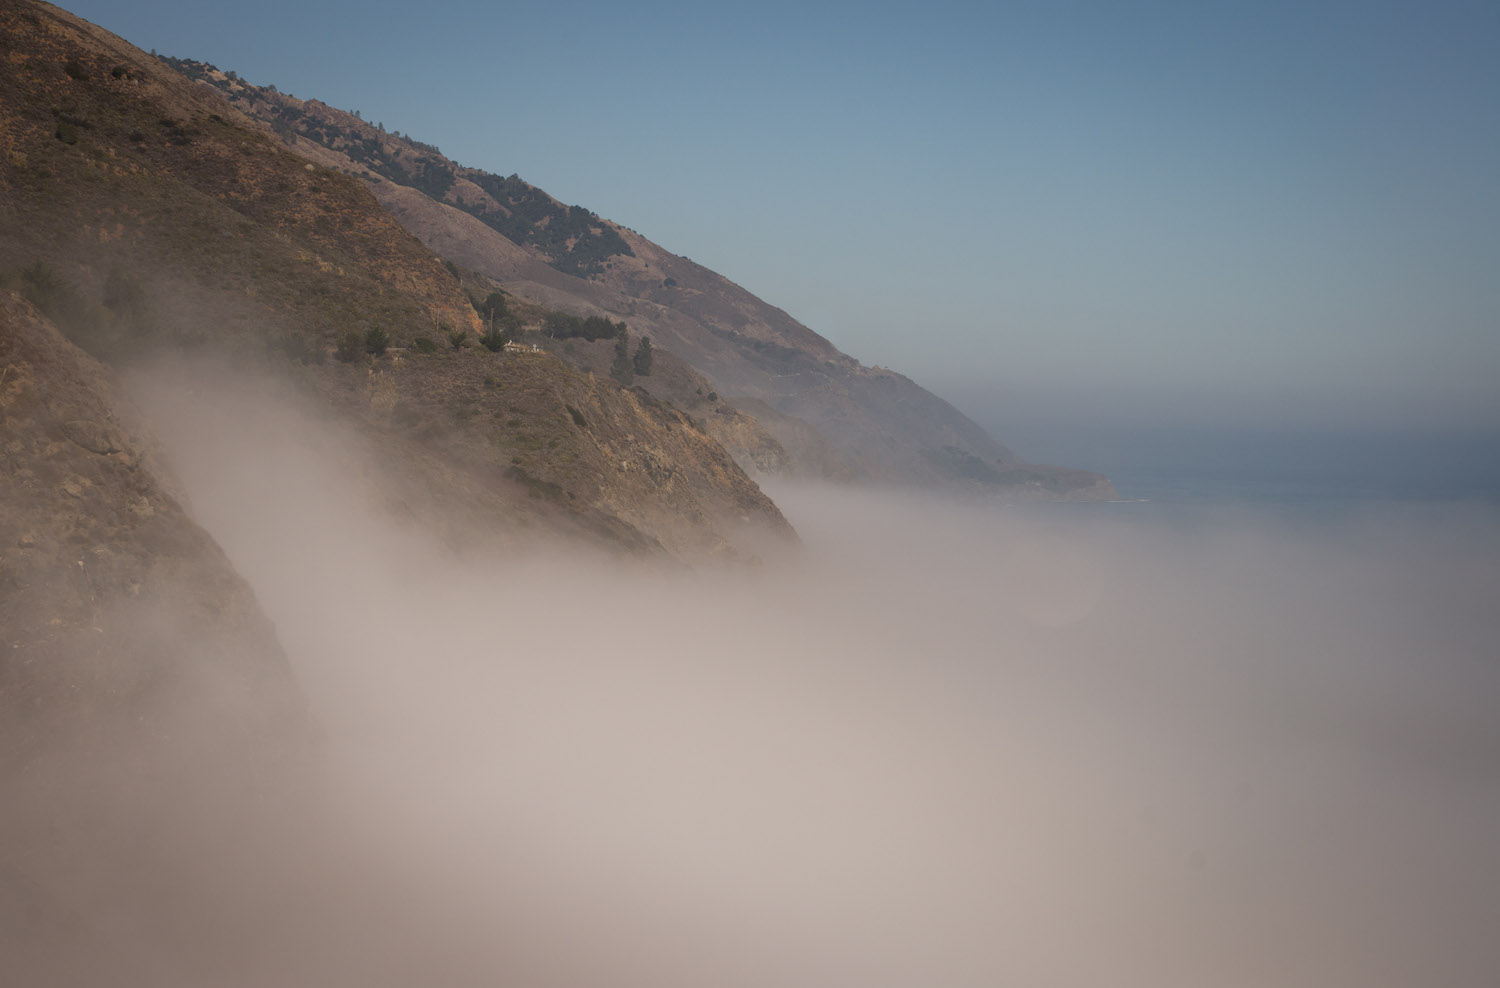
1291,470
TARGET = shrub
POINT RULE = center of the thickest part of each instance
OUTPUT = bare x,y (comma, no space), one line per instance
376,341
424,344
562,326
493,340
578,418
458,338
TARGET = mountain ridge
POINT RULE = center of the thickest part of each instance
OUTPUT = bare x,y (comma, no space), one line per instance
882,426
144,213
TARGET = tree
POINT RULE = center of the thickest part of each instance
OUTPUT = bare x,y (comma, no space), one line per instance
622,370
376,340
494,306
493,340
642,361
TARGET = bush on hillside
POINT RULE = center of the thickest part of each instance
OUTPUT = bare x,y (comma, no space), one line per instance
493,340
561,326
376,341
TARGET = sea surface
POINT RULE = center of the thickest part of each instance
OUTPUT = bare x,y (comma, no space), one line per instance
1295,475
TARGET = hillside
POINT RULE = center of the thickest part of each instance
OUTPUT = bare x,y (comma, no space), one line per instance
144,214
143,693
102,566
864,423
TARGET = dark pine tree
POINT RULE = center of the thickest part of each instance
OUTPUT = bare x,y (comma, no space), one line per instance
622,369
642,359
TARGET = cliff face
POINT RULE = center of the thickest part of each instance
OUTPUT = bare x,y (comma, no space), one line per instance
850,421
144,213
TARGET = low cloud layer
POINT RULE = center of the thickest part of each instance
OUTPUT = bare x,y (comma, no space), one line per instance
946,744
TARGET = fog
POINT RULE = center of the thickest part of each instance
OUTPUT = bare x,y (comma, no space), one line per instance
946,743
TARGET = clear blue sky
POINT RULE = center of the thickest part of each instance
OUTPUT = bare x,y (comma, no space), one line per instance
1268,213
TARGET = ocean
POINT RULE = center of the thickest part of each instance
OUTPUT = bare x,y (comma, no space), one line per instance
1306,474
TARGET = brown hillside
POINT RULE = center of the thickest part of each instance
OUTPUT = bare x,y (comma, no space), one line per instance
143,694
877,424
143,211
112,597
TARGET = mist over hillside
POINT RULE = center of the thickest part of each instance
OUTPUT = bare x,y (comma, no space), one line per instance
942,744
156,220
345,645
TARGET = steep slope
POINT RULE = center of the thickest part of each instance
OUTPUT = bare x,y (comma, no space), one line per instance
673,380
877,423
91,533
143,212
524,435
142,691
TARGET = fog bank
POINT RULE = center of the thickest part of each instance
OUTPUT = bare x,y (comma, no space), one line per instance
946,745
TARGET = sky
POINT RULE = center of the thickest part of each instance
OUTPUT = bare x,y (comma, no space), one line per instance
1059,215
